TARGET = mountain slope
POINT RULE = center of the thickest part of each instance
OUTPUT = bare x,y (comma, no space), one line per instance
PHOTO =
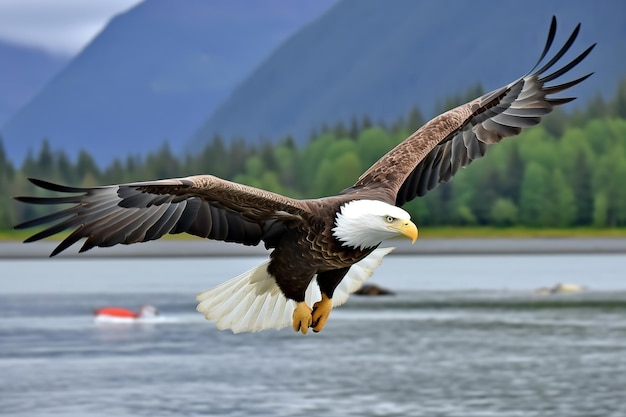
153,74
380,58
24,72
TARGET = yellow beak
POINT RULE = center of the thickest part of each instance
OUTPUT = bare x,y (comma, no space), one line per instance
409,229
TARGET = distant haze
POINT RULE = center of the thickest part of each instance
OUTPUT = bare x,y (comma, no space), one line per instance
59,27
153,75
263,70
396,55
24,72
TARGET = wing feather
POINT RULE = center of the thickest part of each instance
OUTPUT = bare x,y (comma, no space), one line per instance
435,152
205,206
188,216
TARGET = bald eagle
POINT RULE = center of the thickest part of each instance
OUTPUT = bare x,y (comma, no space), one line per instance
321,249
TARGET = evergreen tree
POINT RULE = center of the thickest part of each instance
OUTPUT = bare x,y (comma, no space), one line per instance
582,189
612,174
600,210
64,168
511,179
7,171
534,195
7,176
341,131
373,143
620,100
503,212
562,211
239,152
214,158
355,130
415,120
287,161
567,171
86,168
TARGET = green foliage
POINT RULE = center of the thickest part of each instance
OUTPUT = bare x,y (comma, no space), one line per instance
567,172
7,178
563,208
504,212
620,100
534,196
600,209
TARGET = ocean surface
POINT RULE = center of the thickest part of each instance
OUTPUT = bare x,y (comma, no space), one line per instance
463,336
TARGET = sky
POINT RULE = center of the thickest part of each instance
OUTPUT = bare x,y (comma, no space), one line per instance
61,27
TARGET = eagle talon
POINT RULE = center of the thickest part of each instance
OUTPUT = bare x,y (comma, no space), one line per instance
302,318
321,311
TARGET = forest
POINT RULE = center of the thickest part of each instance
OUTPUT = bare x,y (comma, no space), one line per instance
567,172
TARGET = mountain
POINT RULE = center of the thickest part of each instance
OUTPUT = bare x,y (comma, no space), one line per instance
23,73
154,74
265,69
380,58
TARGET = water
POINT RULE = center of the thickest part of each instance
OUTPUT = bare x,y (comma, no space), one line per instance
464,336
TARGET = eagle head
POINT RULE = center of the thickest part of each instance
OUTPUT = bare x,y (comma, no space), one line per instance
366,223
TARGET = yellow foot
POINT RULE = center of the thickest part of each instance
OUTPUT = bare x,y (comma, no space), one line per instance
302,318
321,311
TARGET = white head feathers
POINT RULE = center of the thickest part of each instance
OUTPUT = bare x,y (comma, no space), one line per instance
365,223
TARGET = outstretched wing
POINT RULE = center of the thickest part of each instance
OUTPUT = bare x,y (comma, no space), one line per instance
203,205
435,152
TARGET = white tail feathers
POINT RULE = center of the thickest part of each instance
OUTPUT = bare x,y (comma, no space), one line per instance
253,301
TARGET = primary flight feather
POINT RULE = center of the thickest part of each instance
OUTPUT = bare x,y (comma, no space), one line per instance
321,249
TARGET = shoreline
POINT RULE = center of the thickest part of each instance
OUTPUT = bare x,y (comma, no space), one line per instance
423,247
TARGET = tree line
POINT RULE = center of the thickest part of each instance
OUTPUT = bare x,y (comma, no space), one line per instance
568,171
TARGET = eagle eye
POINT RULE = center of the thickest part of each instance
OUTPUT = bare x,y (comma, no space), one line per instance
390,219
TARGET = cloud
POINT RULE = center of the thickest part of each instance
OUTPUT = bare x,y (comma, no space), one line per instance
57,26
